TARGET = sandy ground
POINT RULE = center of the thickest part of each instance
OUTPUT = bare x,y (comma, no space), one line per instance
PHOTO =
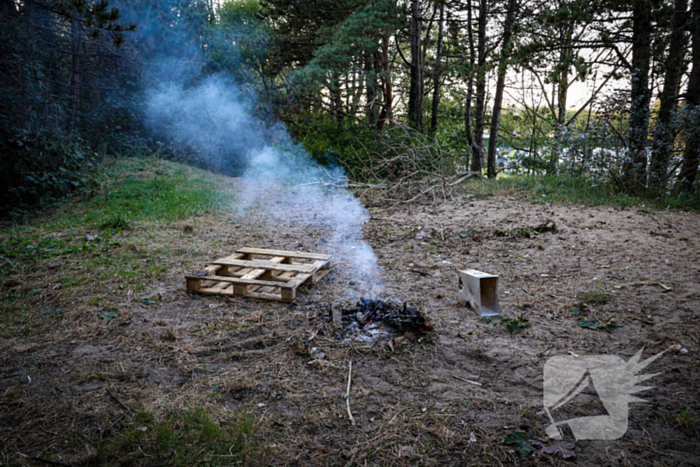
444,398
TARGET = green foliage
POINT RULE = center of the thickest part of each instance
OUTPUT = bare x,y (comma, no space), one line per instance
350,40
608,325
520,442
514,325
37,173
240,47
54,312
133,190
685,418
332,142
572,189
95,17
108,314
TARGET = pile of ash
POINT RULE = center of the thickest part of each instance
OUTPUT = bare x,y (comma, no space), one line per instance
373,320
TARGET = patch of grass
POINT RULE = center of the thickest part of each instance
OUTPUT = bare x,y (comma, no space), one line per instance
571,189
190,437
599,298
154,195
139,190
684,418
17,321
16,249
117,223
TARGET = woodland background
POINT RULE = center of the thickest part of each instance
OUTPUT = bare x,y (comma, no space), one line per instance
386,89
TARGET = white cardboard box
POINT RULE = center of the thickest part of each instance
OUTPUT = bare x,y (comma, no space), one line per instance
479,290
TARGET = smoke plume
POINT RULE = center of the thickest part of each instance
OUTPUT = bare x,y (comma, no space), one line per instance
278,180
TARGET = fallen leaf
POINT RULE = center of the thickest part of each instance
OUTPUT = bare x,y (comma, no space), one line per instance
520,442
555,447
108,314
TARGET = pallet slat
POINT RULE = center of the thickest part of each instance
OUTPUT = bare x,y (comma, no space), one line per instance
286,253
260,264
276,278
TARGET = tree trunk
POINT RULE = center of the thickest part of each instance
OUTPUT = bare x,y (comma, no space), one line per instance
636,166
500,85
664,134
386,113
562,95
336,99
470,88
415,96
478,145
691,156
371,86
438,72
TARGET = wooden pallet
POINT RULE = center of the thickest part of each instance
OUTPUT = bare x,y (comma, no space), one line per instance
260,273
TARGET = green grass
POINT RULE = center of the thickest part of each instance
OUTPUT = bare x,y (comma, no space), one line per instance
152,190
684,418
138,190
133,190
183,438
572,190
599,298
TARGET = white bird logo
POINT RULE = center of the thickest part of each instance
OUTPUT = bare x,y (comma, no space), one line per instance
615,381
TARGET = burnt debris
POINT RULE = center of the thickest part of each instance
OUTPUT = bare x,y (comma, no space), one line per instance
396,315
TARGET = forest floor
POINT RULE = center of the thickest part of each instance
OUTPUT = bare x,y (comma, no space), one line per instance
107,360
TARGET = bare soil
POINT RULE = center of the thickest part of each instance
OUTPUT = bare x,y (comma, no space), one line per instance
448,397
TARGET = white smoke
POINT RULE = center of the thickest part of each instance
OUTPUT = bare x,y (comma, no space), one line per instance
278,177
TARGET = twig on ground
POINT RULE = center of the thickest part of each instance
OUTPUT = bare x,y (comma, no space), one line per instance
397,414
464,177
347,394
116,421
118,401
466,380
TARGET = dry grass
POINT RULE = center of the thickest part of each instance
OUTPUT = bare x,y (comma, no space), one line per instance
176,379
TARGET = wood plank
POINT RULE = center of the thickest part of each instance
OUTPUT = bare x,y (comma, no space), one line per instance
336,316
215,291
267,265
255,273
235,256
289,254
205,271
285,283
227,270
266,296
317,277
219,288
288,295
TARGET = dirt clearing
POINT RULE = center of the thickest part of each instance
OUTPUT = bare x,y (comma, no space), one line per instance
99,368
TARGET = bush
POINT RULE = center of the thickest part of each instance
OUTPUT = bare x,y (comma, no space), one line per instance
35,173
